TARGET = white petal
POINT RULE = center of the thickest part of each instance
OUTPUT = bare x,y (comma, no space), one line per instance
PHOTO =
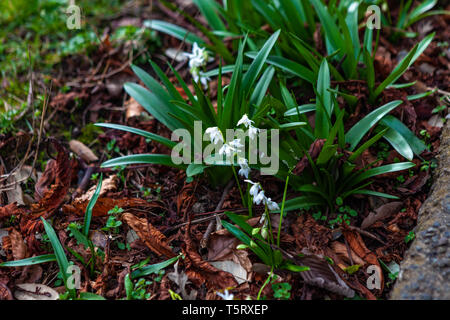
252,132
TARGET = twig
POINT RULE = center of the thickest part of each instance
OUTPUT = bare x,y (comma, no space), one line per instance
368,234
216,221
349,251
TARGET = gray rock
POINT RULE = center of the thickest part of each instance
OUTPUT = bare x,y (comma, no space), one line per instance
424,273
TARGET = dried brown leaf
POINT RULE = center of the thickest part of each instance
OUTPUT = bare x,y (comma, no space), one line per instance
381,213
54,196
200,271
103,205
18,246
155,240
83,151
133,109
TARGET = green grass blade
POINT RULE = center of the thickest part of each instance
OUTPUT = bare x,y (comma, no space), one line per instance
358,131
406,62
261,87
399,143
209,9
289,66
258,63
146,134
153,268
415,143
174,31
60,255
90,206
381,170
153,104
373,193
29,261
161,159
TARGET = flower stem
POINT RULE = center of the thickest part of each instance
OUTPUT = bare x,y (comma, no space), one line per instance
249,203
282,211
238,184
265,283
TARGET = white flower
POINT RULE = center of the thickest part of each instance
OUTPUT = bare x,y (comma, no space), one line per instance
245,169
260,198
227,150
198,57
272,205
252,132
254,189
263,219
225,295
197,76
215,134
236,143
245,121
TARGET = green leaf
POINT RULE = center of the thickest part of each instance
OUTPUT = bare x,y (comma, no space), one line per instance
324,106
247,240
225,69
293,267
373,193
421,95
146,134
258,63
415,143
419,10
261,87
161,159
289,66
153,268
381,170
194,169
90,206
60,255
90,296
292,125
399,143
154,105
81,238
300,110
129,287
357,132
367,145
403,65
29,261
303,202
209,9
174,31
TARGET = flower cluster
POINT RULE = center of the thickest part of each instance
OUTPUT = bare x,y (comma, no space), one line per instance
260,198
233,147
252,131
198,59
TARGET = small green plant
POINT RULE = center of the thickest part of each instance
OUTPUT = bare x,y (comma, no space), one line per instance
410,237
281,290
261,240
113,224
334,176
408,15
244,96
137,290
